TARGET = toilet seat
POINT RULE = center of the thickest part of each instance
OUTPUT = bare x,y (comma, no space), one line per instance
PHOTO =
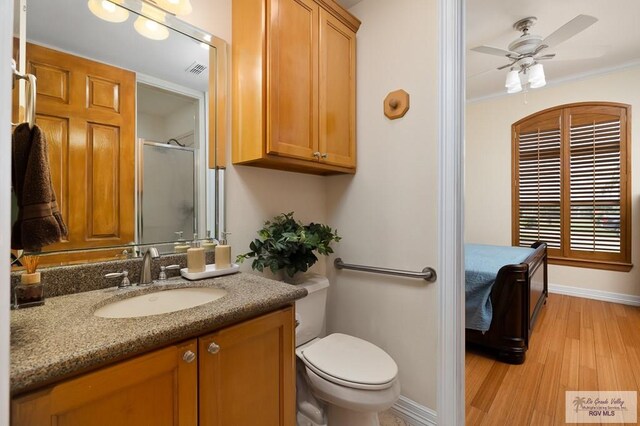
351,362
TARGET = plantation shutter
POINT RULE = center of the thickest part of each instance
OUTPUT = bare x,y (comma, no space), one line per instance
595,185
571,184
539,187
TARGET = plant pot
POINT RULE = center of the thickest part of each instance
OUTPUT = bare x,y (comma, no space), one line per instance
297,278
281,275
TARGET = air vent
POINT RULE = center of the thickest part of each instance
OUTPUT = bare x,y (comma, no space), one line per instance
196,68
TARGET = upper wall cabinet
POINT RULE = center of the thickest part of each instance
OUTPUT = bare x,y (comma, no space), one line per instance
294,85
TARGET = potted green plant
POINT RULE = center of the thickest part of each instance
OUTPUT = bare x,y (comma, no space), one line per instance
285,244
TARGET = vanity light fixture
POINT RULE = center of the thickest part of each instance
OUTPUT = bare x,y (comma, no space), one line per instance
150,29
108,11
176,7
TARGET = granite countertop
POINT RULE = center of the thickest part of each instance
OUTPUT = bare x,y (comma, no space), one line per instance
63,337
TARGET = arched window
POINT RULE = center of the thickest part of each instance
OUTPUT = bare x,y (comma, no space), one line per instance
572,184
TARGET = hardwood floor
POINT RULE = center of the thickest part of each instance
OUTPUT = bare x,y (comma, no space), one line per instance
577,344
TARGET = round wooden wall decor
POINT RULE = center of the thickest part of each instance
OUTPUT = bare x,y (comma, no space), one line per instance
396,104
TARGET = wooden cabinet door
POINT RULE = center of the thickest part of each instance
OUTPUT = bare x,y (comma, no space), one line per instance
337,92
292,115
247,373
87,112
156,389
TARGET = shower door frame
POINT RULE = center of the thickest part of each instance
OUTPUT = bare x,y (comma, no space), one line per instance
140,187
205,185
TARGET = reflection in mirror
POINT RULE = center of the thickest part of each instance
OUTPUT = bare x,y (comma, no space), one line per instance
122,100
168,134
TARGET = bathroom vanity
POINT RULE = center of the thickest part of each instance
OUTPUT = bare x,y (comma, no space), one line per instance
227,362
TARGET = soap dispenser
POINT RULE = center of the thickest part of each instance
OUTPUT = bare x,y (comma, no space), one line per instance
223,253
181,245
209,244
195,257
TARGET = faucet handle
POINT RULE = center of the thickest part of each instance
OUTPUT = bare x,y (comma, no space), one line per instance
125,278
164,269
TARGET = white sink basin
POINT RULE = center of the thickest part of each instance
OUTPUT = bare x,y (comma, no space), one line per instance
160,302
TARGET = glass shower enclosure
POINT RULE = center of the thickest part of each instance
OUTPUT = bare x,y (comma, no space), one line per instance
168,191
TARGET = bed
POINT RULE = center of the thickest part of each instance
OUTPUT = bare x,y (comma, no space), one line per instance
516,296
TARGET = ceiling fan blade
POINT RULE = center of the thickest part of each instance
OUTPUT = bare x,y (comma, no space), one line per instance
481,73
571,52
506,66
545,57
492,51
568,30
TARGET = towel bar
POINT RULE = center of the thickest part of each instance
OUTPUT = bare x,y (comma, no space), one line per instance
30,107
427,274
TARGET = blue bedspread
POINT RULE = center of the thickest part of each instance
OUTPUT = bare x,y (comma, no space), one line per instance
481,264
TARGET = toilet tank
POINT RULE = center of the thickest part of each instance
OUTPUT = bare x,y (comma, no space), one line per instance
310,310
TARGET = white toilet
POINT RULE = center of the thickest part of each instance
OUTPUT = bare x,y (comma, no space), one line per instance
353,378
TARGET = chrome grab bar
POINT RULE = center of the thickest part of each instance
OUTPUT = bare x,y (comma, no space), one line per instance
427,274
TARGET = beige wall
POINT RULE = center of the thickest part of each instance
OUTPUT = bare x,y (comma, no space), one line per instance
387,212
255,195
488,168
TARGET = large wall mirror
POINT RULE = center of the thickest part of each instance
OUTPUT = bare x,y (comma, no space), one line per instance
131,101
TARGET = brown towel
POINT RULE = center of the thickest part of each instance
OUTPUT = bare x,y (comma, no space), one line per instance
39,221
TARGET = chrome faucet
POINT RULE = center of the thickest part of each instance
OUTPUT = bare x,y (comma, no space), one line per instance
145,274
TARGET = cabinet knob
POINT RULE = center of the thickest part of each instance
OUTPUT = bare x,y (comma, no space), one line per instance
325,155
213,348
189,356
317,154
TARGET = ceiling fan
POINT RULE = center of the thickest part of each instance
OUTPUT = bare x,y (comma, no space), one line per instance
529,48
525,52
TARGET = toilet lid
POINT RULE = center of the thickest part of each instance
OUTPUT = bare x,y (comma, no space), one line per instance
350,361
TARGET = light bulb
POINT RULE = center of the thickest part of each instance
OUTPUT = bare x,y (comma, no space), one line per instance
108,11
151,25
150,29
108,6
177,7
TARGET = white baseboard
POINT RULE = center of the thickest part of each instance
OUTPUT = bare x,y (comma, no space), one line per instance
413,413
606,296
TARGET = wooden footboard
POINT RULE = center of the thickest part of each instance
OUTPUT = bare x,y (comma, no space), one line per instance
517,297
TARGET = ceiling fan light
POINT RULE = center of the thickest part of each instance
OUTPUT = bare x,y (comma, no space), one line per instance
536,76
513,79
108,11
538,83
514,89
